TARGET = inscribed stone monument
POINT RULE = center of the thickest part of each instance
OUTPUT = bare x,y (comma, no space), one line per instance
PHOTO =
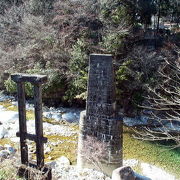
100,118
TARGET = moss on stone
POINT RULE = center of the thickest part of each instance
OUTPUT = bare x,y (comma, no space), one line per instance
9,142
30,115
8,106
6,141
53,121
67,146
73,126
60,146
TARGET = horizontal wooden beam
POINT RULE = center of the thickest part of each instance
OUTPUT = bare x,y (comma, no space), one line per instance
33,78
32,137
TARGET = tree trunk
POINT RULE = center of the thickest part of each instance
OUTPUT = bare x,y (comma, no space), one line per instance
159,14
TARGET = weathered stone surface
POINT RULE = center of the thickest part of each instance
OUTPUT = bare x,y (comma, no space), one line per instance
70,117
29,78
127,173
140,177
3,132
4,153
100,119
123,173
156,173
63,161
10,149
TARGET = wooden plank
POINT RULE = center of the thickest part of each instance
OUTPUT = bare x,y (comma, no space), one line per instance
32,137
29,78
38,125
22,122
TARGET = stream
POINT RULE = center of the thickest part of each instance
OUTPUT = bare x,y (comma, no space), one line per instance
60,126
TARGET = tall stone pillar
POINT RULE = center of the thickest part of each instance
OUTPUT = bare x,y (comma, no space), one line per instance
100,118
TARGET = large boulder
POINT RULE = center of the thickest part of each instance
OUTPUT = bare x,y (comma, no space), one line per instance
63,161
3,131
123,173
126,173
70,117
4,154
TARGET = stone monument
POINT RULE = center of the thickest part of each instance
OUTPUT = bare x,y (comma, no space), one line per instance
100,118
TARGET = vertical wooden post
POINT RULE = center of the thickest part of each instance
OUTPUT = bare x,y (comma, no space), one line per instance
22,122
39,125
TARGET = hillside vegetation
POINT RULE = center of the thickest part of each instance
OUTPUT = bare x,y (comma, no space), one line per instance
55,37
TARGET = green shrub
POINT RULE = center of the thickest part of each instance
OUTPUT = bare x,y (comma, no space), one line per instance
10,86
123,72
129,85
114,42
40,7
116,15
55,81
78,71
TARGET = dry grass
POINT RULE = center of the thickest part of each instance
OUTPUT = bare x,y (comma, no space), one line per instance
8,169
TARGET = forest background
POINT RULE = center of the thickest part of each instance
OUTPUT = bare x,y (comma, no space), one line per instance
55,37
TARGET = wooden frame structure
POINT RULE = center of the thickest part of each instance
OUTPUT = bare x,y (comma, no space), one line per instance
36,81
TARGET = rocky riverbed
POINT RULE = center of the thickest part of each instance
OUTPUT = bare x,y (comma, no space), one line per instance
61,127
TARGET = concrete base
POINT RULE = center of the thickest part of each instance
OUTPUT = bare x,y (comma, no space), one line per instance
86,160
106,168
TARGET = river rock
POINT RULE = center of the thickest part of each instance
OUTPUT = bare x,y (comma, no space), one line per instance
1,147
56,116
70,117
123,173
10,149
4,153
47,115
91,174
47,150
2,108
6,98
73,173
15,103
140,120
155,173
63,161
12,129
58,129
29,106
9,117
130,162
15,139
169,127
140,177
3,131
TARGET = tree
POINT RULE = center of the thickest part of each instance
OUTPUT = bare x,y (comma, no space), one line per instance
41,7
164,102
167,8
175,11
145,10
117,11
133,11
